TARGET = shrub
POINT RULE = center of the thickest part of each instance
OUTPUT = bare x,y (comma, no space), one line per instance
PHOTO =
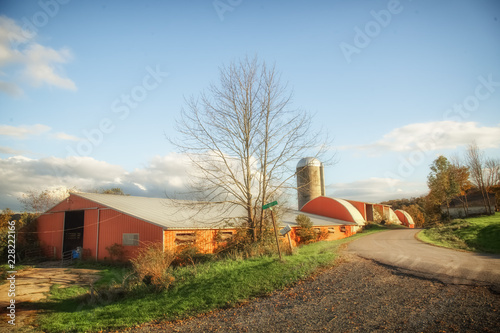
151,264
116,251
306,232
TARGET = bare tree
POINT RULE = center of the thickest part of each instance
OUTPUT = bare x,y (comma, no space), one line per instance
492,173
243,139
39,201
462,176
475,161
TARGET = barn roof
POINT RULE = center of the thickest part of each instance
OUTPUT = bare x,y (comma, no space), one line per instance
168,213
317,220
183,214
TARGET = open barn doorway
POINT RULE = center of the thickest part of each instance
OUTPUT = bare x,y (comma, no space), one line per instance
73,230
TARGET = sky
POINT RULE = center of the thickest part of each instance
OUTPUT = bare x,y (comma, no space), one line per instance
90,90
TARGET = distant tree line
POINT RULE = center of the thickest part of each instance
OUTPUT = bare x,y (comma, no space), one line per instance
455,178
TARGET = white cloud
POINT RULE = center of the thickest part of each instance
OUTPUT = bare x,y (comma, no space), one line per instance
23,131
39,64
433,136
376,189
10,151
162,175
27,131
64,136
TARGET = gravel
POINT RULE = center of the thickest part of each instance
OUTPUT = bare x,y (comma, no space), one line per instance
356,295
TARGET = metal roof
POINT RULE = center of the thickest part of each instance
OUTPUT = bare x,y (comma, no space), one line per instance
308,161
183,214
317,220
168,213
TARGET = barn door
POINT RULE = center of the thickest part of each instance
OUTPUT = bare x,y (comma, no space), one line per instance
73,230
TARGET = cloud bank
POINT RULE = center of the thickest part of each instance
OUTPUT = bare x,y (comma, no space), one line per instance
433,136
161,176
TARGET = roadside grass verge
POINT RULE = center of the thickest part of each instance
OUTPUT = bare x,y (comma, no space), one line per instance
202,288
477,234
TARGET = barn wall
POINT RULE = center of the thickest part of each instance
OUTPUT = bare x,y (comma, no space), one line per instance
50,233
360,206
203,239
112,226
336,234
75,203
89,233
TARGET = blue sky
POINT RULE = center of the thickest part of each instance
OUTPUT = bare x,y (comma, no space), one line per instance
88,90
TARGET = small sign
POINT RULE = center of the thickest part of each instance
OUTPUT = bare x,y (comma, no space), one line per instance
274,203
285,230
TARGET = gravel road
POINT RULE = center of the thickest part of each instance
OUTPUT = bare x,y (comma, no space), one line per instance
357,295
401,249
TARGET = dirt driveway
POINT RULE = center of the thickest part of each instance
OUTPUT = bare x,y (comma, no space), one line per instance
33,284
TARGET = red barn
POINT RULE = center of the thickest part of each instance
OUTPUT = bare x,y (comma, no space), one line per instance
96,221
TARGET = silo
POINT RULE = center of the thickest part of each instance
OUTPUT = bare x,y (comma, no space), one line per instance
310,180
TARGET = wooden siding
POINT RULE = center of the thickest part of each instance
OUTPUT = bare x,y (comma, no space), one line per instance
337,233
205,240
110,223
50,229
112,226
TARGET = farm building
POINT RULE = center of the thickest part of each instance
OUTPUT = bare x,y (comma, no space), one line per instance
472,204
311,199
95,222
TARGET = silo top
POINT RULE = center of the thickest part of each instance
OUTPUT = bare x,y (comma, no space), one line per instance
308,161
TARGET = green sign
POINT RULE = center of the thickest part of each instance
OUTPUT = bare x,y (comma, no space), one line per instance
274,203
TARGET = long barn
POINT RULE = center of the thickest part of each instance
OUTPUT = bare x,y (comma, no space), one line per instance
95,222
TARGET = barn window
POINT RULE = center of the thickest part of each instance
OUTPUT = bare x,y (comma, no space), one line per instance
224,236
184,238
342,229
317,230
331,230
130,239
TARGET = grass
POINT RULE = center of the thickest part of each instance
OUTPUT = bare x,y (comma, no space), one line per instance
205,287
478,234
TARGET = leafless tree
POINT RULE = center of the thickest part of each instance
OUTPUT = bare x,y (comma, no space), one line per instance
476,163
243,138
39,201
492,172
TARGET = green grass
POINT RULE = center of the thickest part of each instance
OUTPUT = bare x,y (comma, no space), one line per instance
478,234
205,287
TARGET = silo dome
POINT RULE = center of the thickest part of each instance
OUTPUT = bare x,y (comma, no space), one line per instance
310,180
309,161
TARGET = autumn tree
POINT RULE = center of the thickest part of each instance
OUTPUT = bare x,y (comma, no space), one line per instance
243,139
462,176
442,182
417,214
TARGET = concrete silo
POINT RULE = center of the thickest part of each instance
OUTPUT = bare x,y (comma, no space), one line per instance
310,180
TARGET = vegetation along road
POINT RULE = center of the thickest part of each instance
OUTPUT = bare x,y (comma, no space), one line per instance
400,248
357,295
